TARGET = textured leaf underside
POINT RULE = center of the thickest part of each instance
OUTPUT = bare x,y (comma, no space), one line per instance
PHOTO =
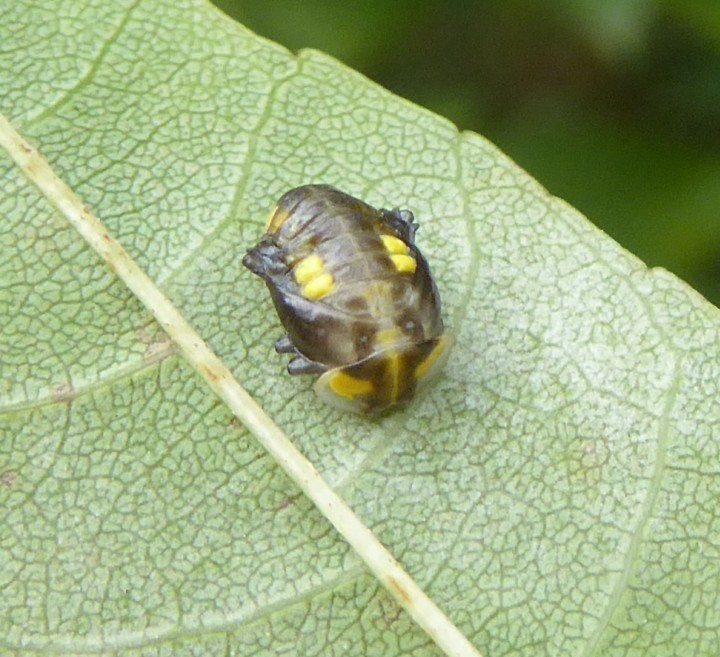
556,492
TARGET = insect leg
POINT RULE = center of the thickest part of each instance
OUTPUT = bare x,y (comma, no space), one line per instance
284,345
301,365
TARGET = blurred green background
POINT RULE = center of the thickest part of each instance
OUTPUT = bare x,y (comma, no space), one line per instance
613,105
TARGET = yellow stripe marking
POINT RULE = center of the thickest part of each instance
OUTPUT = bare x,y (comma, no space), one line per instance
348,386
405,264
385,341
276,219
422,369
394,369
387,337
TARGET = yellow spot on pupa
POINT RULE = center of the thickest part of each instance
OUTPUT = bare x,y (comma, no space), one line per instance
405,264
318,286
308,268
421,369
349,386
394,245
312,278
399,253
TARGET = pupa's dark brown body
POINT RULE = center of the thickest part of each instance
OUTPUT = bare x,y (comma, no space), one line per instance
354,294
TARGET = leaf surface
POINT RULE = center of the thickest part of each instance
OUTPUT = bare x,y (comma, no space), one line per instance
555,492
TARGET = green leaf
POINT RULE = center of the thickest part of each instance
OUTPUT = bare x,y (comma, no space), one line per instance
555,492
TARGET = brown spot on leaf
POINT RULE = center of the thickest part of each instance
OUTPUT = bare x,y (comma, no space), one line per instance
400,590
64,392
158,344
8,478
287,501
211,372
390,611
